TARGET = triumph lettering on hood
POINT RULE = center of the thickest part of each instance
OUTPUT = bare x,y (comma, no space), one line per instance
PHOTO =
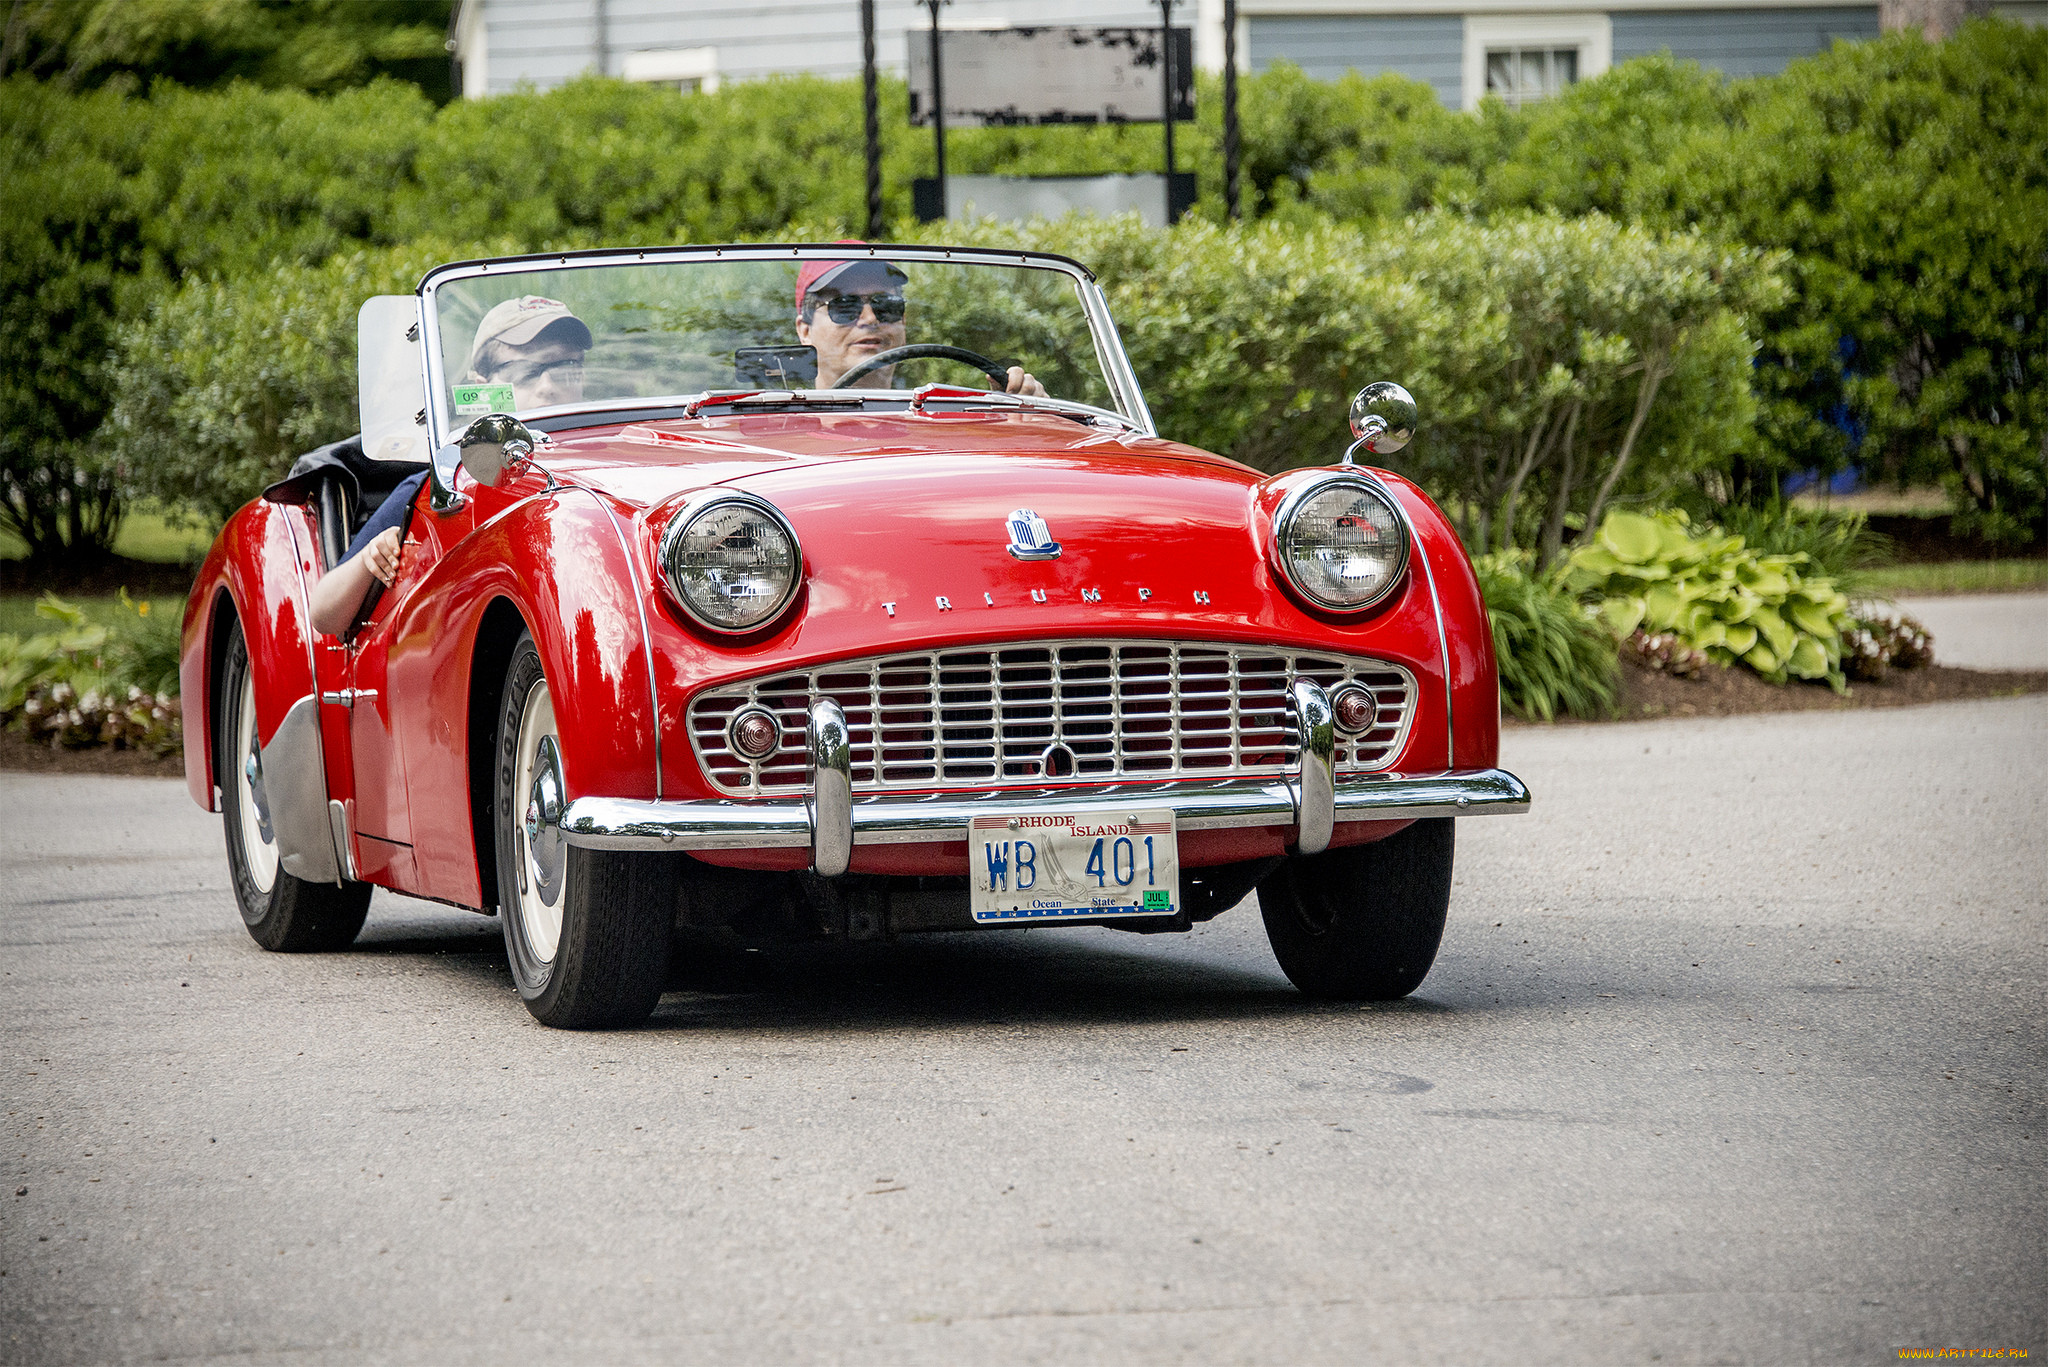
943,602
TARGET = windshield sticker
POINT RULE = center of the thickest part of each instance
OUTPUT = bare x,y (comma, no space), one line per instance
482,398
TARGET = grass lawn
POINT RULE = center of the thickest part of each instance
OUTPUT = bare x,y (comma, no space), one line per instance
144,535
1960,576
18,610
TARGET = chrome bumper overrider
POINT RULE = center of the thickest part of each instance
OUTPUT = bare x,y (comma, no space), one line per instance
831,821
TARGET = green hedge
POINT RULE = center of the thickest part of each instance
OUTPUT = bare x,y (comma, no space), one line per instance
1523,341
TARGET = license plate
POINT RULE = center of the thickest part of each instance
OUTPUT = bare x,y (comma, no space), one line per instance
1064,866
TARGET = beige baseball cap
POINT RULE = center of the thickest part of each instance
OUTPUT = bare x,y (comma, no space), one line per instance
519,321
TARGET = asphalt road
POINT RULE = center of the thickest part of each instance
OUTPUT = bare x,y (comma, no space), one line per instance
1734,1053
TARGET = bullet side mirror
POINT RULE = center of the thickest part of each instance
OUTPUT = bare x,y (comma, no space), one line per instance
1382,419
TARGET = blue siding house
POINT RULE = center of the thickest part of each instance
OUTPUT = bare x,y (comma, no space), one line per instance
1519,50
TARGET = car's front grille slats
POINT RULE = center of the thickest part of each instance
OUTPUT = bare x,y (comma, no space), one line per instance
987,717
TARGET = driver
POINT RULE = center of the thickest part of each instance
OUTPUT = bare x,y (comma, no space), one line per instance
852,311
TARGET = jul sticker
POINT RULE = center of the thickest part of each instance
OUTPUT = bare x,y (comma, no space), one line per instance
482,398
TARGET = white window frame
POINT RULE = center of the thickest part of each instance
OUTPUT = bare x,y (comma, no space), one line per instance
674,66
1589,32
473,50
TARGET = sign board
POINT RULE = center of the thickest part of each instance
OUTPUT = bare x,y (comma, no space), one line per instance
1017,199
1008,76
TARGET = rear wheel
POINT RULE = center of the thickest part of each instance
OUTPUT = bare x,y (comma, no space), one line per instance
1362,923
586,931
282,912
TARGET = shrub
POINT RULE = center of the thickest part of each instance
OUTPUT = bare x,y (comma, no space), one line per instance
1554,659
1714,594
85,684
1558,363
223,383
1905,179
1841,546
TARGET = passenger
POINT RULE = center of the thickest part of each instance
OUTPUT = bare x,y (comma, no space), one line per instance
533,344
852,311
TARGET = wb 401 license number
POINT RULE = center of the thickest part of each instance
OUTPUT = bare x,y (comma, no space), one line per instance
1050,866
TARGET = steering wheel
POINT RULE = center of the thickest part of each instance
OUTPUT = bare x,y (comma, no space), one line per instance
926,351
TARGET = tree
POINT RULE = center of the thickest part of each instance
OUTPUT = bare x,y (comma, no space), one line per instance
320,45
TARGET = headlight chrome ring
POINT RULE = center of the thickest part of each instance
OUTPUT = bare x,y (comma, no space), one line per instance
733,562
1341,542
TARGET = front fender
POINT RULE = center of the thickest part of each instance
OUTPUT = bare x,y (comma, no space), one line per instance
560,559
1471,672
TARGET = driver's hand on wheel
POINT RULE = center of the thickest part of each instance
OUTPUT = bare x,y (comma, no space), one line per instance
1022,382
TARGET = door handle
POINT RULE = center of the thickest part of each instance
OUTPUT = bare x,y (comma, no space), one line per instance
347,696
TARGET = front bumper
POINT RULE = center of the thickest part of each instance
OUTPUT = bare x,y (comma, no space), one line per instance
830,821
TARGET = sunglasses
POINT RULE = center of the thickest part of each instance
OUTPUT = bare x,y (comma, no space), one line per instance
845,309
565,371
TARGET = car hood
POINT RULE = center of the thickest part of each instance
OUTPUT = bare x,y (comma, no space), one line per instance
905,525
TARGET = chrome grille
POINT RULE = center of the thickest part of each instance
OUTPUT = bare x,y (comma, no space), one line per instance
988,717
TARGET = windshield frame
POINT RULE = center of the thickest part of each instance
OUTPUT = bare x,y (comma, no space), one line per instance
1116,366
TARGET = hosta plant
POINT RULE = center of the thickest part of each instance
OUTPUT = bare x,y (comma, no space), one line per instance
1714,593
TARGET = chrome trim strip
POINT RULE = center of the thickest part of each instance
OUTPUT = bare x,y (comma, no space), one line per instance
295,784
831,801
1110,345
1443,649
610,823
1315,787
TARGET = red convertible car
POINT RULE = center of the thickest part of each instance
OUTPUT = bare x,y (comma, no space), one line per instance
828,591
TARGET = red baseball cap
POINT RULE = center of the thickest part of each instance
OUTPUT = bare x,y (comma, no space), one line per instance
817,274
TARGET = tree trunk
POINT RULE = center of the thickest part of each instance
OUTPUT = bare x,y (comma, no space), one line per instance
1550,544
1654,371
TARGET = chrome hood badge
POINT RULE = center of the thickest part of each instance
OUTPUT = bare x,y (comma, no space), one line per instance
1030,538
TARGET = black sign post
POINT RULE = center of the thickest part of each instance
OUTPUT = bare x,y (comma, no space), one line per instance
1230,204
871,115
1166,83
938,107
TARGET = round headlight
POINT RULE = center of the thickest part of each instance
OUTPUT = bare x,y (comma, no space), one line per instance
733,563
1340,543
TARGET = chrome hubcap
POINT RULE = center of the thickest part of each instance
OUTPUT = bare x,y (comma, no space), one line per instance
252,806
544,842
543,854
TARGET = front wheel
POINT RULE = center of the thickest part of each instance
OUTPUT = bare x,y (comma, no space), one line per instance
1362,923
283,912
586,931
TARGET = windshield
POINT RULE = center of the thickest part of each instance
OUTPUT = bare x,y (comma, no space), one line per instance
512,338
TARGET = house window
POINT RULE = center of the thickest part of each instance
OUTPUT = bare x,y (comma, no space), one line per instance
688,69
1528,56
1523,75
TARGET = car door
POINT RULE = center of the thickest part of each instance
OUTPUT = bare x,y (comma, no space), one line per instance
381,815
